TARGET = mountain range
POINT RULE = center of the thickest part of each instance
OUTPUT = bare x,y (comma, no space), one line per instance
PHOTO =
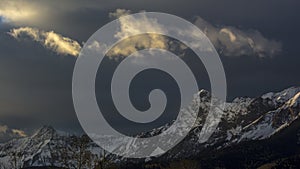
253,132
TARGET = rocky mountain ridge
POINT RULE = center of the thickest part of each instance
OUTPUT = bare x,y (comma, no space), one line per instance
244,119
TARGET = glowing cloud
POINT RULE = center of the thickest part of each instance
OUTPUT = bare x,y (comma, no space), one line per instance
118,13
51,40
228,40
15,15
7,133
16,11
3,128
20,133
130,25
231,41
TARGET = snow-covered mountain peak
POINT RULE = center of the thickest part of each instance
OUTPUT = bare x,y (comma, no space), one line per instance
282,96
204,94
45,131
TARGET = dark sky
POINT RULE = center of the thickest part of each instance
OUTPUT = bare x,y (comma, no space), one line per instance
35,82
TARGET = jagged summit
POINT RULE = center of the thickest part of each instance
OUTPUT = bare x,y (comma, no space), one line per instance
282,96
45,130
204,92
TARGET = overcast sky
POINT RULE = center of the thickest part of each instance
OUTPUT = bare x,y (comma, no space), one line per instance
40,40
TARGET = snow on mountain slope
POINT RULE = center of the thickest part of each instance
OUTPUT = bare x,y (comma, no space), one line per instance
272,112
45,148
275,120
281,97
243,119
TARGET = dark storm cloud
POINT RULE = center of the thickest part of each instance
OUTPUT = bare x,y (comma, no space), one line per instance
35,86
35,83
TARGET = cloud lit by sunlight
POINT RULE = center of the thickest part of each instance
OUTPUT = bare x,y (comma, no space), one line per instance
15,15
3,128
51,40
17,11
130,26
232,41
228,40
10,133
118,13
20,133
